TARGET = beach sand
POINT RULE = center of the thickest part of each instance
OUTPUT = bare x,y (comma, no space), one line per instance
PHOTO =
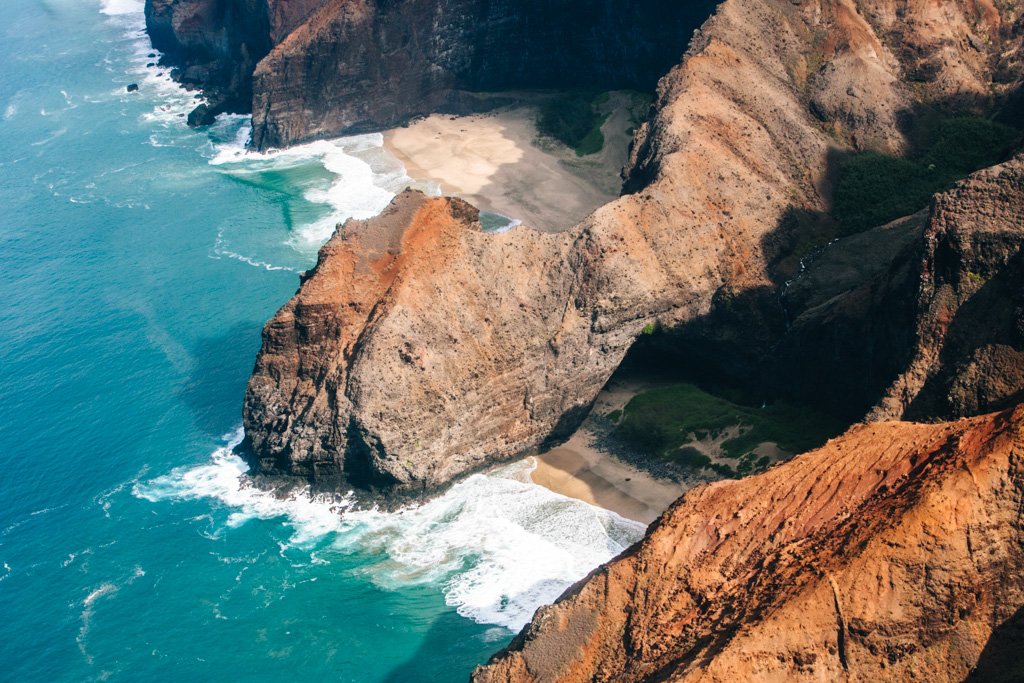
497,162
578,470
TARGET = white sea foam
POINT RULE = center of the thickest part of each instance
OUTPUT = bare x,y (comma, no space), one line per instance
221,479
88,610
221,250
496,544
171,101
122,7
365,178
513,223
104,590
501,545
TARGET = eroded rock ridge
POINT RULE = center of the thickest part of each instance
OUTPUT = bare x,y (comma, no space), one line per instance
484,346
893,553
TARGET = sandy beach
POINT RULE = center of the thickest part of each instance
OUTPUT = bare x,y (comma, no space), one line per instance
497,162
578,470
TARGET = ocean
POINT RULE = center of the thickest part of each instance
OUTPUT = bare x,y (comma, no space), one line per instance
138,262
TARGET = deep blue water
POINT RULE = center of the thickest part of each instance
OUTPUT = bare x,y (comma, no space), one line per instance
138,262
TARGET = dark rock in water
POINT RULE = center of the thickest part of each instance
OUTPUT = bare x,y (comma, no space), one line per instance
151,64
133,87
152,55
203,115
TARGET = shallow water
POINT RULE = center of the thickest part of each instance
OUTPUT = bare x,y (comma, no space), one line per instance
138,261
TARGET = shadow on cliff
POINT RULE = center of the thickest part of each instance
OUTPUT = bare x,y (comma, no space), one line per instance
756,342
837,323
1001,660
991,320
215,387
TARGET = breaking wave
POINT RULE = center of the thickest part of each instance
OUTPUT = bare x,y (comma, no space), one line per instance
349,177
496,545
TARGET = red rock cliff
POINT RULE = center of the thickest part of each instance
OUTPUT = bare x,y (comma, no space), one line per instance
893,553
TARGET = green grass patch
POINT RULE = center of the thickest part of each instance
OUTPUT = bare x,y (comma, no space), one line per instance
873,189
662,420
574,119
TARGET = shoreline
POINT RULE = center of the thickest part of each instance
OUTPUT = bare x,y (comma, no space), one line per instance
578,469
498,162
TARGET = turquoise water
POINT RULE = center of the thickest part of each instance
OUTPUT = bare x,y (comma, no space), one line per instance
138,261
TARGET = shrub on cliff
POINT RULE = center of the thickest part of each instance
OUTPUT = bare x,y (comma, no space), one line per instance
874,189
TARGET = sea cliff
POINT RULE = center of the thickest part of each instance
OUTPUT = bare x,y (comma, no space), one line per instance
420,348
483,347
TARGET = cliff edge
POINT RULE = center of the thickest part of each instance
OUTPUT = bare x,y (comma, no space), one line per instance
893,553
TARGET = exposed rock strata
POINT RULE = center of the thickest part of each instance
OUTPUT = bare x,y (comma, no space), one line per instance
333,66
353,379
484,346
340,66
925,313
893,553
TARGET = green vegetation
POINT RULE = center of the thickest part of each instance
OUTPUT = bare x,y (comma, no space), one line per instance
691,457
663,420
723,469
614,416
874,189
575,120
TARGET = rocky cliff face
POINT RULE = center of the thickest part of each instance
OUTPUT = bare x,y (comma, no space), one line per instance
923,313
357,66
968,351
893,553
214,44
481,346
353,381
319,68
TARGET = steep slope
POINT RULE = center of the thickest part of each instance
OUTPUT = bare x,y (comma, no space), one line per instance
356,66
337,66
892,553
509,342
924,314
969,334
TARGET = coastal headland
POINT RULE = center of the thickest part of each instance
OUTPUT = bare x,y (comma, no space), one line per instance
821,223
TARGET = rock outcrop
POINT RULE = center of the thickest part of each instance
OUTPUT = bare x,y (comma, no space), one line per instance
893,553
354,381
968,348
216,44
357,66
474,347
920,319
318,68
